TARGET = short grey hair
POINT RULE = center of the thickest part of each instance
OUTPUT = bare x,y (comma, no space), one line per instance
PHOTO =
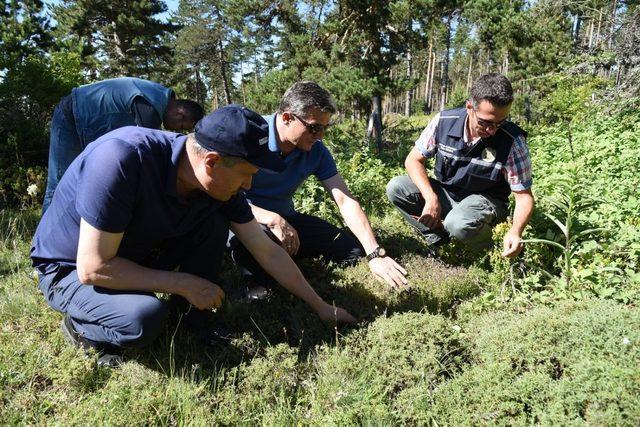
494,88
200,151
300,98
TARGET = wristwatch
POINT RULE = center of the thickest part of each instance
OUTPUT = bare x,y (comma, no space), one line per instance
378,252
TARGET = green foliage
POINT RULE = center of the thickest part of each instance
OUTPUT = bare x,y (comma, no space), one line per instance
265,96
583,239
567,99
547,366
28,93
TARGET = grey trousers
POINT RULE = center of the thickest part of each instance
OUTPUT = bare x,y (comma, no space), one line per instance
469,219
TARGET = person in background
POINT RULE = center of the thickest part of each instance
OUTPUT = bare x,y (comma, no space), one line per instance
92,110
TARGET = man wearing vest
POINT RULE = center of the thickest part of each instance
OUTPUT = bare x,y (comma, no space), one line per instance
143,211
480,158
295,133
95,109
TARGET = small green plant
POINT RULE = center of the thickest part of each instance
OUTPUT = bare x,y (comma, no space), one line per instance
568,202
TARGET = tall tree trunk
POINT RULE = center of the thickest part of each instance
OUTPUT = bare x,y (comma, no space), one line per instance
255,69
469,75
409,94
591,25
445,68
431,80
117,43
577,23
199,94
613,23
374,129
244,93
223,73
599,26
427,86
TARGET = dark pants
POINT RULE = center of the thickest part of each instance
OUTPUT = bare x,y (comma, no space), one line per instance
317,238
130,318
64,147
469,219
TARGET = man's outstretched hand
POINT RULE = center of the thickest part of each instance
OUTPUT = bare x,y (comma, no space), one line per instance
512,245
385,268
332,315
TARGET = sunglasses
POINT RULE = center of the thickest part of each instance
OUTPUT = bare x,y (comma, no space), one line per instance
313,128
487,124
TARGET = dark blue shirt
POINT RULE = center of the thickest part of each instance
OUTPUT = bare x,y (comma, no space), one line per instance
125,181
274,191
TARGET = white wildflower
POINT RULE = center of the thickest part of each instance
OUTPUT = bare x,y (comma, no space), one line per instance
32,190
626,341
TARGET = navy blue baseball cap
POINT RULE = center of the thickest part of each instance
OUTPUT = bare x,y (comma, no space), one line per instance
236,131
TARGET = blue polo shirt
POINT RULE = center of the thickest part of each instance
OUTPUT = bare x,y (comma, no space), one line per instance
274,191
125,181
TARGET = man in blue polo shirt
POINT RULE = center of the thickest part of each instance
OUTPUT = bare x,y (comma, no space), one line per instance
97,108
138,204
295,133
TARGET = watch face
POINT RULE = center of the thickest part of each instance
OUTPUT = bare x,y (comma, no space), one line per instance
382,252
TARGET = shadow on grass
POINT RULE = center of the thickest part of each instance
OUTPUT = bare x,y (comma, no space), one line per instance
283,318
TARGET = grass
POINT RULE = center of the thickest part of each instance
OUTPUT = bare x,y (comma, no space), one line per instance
414,358
471,341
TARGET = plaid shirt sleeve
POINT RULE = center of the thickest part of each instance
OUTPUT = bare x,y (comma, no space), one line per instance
426,142
518,166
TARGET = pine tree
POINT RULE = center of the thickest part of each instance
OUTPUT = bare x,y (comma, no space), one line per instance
120,37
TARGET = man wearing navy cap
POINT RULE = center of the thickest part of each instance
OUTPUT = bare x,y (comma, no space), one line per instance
143,211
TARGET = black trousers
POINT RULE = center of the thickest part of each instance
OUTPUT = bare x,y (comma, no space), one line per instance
317,238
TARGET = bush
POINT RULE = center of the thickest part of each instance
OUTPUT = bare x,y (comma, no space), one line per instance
365,380
573,363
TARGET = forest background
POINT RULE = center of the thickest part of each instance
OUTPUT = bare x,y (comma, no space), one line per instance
552,337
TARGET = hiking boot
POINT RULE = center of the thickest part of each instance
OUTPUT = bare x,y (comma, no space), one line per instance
108,356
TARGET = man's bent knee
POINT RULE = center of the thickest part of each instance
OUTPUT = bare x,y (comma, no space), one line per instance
476,234
142,324
395,188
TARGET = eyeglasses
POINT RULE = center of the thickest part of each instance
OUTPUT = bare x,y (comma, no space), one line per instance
313,128
487,124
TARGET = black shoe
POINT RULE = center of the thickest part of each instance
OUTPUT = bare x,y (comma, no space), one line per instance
206,326
108,356
254,291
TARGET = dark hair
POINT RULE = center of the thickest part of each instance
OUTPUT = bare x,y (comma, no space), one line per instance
492,87
192,110
305,95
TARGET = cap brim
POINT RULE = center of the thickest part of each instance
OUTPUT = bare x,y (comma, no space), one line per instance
268,162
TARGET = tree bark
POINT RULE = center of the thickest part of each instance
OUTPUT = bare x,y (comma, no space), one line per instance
427,86
445,69
577,23
613,23
223,73
409,94
374,129
469,75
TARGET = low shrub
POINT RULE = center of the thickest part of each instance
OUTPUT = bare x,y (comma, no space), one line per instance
573,363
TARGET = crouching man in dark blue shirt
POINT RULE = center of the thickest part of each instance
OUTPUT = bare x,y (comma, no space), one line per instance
143,211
